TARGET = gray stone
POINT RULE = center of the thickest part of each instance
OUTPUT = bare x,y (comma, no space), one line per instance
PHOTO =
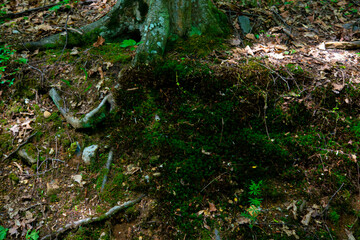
28,154
89,154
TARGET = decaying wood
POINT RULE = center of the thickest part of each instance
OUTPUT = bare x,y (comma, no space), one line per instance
343,45
90,220
89,119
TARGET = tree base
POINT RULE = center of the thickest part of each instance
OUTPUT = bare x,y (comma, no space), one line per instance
154,21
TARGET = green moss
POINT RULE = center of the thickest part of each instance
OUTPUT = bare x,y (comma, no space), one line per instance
5,142
53,198
72,149
132,212
112,52
195,45
31,150
112,193
14,178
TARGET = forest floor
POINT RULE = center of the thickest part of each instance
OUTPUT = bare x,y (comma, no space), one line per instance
251,137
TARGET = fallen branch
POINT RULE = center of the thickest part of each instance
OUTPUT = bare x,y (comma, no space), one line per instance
90,220
19,14
89,119
108,164
17,149
343,45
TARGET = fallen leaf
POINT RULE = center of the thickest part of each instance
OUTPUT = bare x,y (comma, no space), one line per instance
249,51
101,73
77,178
250,36
74,51
44,27
212,207
100,41
338,87
15,129
26,125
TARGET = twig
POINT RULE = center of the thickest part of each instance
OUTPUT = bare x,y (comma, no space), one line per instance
19,14
41,72
90,220
108,164
52,159
265,122
66,37
329,232
22,144
222,129
212,181
328,204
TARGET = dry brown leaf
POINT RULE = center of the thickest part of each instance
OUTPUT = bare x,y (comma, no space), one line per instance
101,73
250,36
212,207
100,41
338,87
353,158
44,27
249,51
26,125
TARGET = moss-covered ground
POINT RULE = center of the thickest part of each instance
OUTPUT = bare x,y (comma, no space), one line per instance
195,132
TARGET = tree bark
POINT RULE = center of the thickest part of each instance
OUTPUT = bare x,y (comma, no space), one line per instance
151,21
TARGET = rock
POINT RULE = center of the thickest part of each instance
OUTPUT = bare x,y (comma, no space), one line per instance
47,114
89,154
52,187
28,153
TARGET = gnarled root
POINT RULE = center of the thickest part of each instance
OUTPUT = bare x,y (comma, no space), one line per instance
90,119
89,220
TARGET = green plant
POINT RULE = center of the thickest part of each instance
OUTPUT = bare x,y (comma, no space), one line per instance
3,12
3,232
32,235
62,3
5,58
334,216
255,202
130,43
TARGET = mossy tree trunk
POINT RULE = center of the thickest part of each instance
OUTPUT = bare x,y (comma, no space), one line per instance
151,21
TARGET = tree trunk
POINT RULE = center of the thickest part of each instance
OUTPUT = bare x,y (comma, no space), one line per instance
151,21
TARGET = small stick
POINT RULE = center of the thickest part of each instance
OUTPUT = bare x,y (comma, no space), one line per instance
327,205
212,181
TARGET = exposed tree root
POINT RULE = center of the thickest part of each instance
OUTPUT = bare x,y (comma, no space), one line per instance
108,164
151,21
88,120
90,220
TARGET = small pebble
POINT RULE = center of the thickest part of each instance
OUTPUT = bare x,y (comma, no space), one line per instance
47,114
